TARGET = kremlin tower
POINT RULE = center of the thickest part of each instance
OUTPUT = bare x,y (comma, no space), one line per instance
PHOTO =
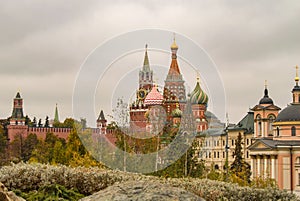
138,108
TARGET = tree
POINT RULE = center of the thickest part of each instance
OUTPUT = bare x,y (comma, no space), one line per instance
40,123
239,168
17,147
34,123
30,144
47,122
68,123
28,121
3,146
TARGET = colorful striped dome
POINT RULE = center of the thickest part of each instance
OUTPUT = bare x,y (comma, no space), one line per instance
154,97
198,96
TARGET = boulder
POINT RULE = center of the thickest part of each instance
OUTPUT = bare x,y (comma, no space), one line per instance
142,190
6,195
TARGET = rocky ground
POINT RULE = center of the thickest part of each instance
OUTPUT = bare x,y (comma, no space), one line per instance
6,195
142,190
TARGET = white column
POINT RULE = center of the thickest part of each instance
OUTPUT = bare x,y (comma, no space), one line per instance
273,167
252,167
255,131
258,166
262,128
265,166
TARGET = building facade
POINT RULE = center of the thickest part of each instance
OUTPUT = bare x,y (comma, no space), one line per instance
276,150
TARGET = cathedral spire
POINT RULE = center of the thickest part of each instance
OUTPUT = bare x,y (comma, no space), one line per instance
56,117
146,66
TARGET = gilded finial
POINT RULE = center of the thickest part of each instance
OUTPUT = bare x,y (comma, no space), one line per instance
297,77
146,46
174,45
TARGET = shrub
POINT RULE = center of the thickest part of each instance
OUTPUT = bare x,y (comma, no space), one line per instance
28,177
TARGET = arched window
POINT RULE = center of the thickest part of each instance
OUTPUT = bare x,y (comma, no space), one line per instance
259,127
293,130
277,130
271,119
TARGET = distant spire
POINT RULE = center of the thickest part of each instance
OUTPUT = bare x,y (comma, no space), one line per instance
146,66
56,117
101,116
18,94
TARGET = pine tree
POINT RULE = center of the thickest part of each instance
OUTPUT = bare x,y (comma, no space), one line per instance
239,167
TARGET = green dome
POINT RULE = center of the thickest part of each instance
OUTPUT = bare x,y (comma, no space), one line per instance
176,113
198,96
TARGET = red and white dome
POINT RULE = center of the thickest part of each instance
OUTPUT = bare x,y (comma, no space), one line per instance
154,97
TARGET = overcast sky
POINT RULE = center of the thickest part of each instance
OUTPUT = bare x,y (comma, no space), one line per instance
44,43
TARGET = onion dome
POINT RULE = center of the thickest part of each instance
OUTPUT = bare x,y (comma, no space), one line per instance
266,99
290,113
154,97
198,96
177,112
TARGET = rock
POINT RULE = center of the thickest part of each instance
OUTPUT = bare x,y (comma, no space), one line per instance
6,195
142,190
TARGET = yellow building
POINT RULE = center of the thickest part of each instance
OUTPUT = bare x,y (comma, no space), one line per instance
214,143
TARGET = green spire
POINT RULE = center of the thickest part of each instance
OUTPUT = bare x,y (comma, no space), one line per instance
146,66
56,118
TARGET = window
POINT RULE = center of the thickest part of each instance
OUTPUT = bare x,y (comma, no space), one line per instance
277,130
218,155
247,154
223,154
232,142
298,179
247,141
293,130
223,143
271,119
258,119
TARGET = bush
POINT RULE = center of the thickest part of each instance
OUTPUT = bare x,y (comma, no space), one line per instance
28,177
51,192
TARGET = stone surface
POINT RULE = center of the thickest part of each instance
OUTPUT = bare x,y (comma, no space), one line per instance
142,190
6,195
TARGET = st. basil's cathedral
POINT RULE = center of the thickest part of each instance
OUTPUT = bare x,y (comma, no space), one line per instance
169,104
